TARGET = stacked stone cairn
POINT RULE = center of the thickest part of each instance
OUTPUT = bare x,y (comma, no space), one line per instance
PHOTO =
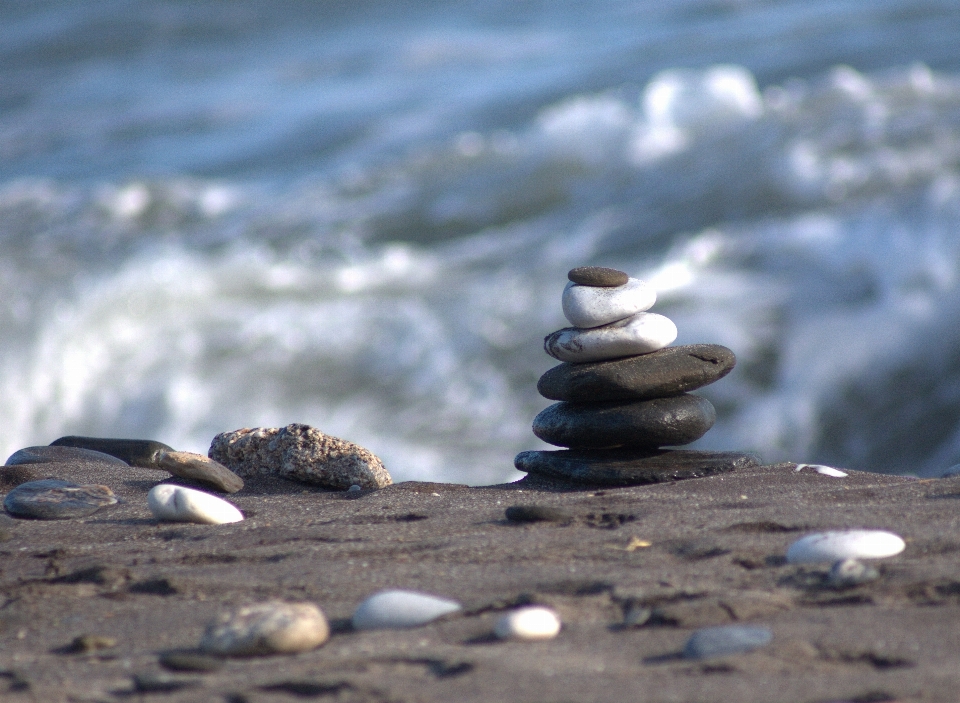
623,391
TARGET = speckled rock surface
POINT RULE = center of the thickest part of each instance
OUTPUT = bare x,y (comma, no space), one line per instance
299,452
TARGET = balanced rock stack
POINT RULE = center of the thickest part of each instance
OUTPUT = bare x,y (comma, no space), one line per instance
623,391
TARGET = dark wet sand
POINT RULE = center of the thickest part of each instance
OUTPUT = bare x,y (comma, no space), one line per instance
715,557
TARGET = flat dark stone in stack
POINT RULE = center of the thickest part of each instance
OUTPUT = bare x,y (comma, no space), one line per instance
667,372
598,276
144,453
650,423
630,467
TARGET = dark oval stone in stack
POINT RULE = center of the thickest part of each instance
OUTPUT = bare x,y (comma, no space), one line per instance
617,416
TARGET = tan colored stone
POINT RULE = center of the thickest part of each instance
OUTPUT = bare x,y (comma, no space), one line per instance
266,628
299,452
197,467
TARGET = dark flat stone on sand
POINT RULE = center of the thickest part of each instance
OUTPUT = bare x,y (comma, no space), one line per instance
666,372
50,499
644,423
630,467
599,276
60,454
136,452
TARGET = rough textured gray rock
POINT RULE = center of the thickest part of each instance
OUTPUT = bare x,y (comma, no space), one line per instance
299,452
197,467
650,423
56,500
670,371
630,467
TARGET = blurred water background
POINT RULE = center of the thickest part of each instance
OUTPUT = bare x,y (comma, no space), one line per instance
359,215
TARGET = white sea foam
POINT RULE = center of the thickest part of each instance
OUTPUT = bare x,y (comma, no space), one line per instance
380,252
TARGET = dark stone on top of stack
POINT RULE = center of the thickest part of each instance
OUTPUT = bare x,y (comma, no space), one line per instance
666,372
648,423
598,276
630,467
144,453
59,455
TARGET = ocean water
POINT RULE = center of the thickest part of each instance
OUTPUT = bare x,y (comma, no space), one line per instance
360,216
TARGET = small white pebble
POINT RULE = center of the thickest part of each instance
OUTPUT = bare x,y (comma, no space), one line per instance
820,469
846,544
354,488
528,624
174,503
400,609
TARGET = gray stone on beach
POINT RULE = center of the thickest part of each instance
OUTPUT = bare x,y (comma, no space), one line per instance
144,453
197,467
50,499
266,628
299,452
666,372
58,454
645,423
630,467
849,573
597,276
726,640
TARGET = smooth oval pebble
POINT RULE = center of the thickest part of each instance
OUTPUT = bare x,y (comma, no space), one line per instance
849,573
197,467
51,499
642,333
54,454
590,306
178,504
597,276
398,609
529,624
846,544
725,640
266,628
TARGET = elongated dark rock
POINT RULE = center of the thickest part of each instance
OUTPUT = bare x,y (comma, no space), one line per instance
666,372
60,454
630,467
645,423
144,453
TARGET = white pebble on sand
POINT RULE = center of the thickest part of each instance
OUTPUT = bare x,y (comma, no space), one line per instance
174,503
846,544
399,609
825,470
528,624
592,306
642,333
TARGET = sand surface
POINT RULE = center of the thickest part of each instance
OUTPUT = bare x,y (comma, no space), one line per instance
715,556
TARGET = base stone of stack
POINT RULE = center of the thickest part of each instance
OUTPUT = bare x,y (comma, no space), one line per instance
626,467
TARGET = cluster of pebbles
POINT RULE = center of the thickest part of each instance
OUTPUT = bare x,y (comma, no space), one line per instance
623,392
624,402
